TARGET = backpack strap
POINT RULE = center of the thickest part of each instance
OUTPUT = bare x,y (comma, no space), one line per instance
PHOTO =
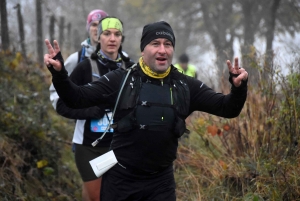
81,54
113,113
95,70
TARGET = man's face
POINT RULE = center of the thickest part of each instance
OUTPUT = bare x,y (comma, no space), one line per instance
93,32
110,41
158,55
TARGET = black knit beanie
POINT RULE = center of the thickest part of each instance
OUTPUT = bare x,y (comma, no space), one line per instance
156,30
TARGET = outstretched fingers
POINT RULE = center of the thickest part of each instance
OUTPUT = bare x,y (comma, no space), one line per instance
52,51
50,48
239,73
229,65
56,47
233,69
236,63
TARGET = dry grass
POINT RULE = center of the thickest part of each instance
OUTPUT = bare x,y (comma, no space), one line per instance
36,163
251,157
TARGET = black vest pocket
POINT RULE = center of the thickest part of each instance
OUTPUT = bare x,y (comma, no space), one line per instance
179,128
126,124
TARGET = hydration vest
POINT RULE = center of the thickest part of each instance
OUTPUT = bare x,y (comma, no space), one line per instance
130,99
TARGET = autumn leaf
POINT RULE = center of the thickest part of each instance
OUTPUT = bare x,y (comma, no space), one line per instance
223,165
226,127
42,163
213,130
201,121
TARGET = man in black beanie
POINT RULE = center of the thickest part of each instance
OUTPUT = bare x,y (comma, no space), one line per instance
157,30
150,115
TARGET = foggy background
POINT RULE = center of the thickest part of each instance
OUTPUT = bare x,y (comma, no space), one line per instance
209,31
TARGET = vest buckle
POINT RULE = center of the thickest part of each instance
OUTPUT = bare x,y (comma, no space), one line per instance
143,127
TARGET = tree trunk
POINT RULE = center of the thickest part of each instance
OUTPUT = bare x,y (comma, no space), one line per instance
61,32
270,24
216,24
182,45
250,23
271,27
21,30
4,26
247,6
52,28
68,43
76,38
39,32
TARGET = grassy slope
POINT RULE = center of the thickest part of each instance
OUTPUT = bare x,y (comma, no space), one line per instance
36,161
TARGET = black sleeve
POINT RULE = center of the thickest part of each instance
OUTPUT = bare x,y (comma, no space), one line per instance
96,112
92,94
81,75
207,100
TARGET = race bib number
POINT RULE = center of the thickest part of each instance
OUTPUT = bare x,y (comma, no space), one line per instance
100,125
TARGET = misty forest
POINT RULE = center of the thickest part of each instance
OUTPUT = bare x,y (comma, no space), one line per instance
251,157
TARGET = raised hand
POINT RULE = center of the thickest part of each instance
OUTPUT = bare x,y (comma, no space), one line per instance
52,52
236,70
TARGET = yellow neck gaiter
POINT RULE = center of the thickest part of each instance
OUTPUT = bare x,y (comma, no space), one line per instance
146,69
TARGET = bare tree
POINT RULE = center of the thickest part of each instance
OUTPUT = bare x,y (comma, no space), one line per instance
219,23
253,12
4,26
21,30
39,32
288,17
61,31
52,27
68,42
76,38
270,22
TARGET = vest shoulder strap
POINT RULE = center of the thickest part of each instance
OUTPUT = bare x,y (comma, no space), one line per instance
95,70
115,107
131,89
